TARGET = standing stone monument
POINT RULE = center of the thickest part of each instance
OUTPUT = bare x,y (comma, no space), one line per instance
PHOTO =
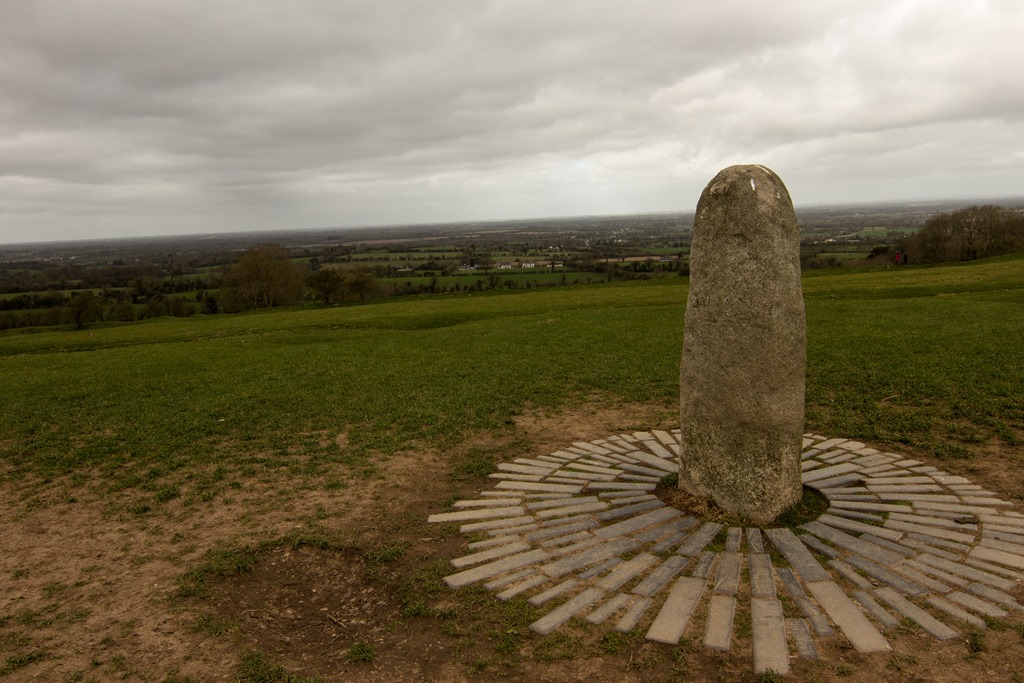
744,348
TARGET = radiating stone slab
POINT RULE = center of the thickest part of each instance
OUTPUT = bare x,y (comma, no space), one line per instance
481,513
555,618
658,516
874,609
553,592
817,546
995,595
999,556
802,562
802,638
848,573
754,543
932,626
861,527
954,611
771,653
852,543
861,633
727,580
977,604
665,572
589,556
490,554
929,530
699,539
762,583
522,586
539,486
486,571
966,571
617,602
633,615
671,621
718,628
887,576
627,571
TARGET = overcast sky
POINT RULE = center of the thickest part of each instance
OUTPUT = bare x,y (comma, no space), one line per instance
156,117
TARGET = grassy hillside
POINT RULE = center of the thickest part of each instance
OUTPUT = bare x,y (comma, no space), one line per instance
929,357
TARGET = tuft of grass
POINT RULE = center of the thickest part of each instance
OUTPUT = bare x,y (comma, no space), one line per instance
219,562
256,668
812,504
360,651
16,662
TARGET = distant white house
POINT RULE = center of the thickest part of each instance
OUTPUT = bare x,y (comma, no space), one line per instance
505,266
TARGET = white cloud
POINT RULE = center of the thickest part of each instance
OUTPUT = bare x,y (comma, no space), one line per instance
190,116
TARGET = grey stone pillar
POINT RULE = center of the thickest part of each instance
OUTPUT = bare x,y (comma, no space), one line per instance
744,348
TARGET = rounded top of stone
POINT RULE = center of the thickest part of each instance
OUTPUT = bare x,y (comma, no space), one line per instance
746,186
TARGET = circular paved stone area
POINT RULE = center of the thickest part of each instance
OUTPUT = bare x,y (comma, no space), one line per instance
581,532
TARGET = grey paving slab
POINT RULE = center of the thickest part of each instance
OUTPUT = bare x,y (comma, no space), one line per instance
802,638
487,502
669,542
561,530
921,505
620,486
789,582
932,626
881,481
508,579
568,539
633,615
872,607
600,568
664,573
754,543
799,558
861,633
934,521
490,554
545,503
918,497
929,530
537,462
888,545
977,604
524,469
762,583
553,592
705,566
658,516
861,527
966,571
664,437
954,611
718,627
492,542
862,497
887,576
522,586
627,571
496,524
510,476
481,513
613,605
636,508
850,574
869,507
640,469
558,616
1002,520
998,556
995,595
945,577
855,514
664,464
619,495
491,569
873,460
1012,548
568,510
574,477
771,652
842,480
852,543
948,545
903,489
671,621
727,580
817,546
699,539
656,533
587,557
539,486
830,443
994,569
840,458
733,539
972,500
664,453
593,448
921,578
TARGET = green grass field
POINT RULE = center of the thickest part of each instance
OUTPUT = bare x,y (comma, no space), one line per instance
928,357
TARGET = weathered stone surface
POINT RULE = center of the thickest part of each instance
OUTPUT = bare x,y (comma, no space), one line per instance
744,348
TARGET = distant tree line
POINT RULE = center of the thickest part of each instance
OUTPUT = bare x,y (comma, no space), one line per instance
970,233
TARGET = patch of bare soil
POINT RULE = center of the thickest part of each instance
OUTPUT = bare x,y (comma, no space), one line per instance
88,582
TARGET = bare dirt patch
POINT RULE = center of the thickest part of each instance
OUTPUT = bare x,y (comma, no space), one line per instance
89,580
